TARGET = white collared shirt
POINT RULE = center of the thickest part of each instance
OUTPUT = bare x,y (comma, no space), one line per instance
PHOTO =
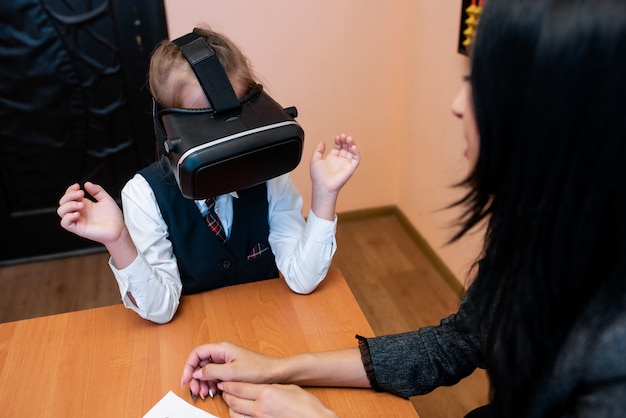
303,249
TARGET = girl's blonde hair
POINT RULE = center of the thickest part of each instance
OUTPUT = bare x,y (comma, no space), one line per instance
170,72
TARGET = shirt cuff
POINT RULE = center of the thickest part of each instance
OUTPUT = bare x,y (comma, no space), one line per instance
138,268
318,229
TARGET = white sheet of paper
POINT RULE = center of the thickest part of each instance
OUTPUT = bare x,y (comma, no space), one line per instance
173,406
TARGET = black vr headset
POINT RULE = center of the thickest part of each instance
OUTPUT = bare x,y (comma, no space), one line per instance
234,144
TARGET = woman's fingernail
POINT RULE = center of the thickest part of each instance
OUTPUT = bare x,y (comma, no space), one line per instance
211,393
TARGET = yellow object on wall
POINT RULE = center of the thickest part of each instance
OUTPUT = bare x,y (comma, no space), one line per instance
469,22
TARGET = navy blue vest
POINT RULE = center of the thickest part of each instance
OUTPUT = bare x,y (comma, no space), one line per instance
203,262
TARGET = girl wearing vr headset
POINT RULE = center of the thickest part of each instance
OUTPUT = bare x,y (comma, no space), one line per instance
263,226
543,114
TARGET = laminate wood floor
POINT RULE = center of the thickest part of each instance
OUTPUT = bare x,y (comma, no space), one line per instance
397,286
399,289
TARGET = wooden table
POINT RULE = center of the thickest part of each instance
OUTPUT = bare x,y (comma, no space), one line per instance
109,362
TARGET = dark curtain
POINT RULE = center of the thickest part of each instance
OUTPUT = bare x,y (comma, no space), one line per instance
73,106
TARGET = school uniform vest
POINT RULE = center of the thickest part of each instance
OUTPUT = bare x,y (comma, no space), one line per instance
204,262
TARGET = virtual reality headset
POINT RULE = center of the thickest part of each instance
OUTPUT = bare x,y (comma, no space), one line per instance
234,144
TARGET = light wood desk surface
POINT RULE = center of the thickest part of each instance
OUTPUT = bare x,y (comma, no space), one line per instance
109,362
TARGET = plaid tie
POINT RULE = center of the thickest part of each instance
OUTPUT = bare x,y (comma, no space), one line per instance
214,222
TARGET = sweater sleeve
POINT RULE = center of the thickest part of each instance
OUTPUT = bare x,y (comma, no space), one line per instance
417,362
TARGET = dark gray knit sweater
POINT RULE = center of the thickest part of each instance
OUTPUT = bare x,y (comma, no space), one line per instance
588,379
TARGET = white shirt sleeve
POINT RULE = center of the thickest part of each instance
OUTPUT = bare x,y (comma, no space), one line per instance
303,250
152,278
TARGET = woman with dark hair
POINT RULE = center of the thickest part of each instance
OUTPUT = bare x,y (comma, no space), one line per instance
543,111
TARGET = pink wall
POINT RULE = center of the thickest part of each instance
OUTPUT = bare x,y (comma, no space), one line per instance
433,141
383,72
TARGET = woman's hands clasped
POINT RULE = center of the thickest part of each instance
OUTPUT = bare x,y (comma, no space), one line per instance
246,380
209,364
